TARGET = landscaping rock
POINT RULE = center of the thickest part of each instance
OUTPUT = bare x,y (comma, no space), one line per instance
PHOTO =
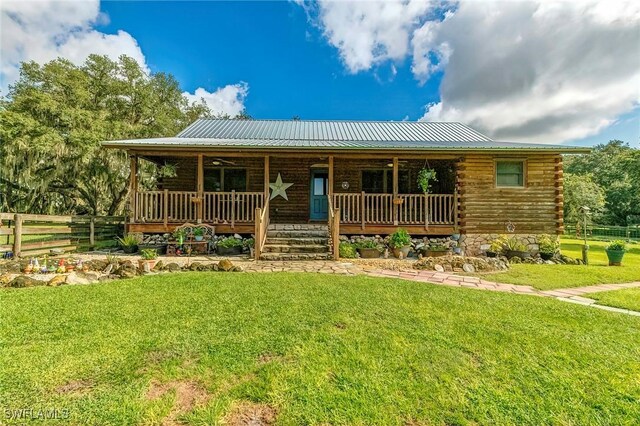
461,263
173,267
225,265
5,279
81,278
57,280
22,281
197,266
159,266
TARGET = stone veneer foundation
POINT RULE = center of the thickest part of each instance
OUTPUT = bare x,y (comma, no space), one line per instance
477,244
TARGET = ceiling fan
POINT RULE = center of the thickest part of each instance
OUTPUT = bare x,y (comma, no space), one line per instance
220,161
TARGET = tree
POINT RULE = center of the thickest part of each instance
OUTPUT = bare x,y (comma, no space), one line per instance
582,191
56,115
615,167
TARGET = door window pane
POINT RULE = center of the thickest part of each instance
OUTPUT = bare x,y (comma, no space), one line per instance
318,186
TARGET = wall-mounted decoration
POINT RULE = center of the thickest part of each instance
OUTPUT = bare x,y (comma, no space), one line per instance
345,185
279,188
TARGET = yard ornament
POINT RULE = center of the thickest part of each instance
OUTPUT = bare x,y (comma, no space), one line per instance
279,188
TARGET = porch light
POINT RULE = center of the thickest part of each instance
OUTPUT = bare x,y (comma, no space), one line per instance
216,163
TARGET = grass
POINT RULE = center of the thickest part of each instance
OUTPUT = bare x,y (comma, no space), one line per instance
548,277
628,298
318,350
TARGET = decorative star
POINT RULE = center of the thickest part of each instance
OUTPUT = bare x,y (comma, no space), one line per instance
279,188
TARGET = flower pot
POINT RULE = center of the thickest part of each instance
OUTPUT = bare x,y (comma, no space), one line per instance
198,237
142,262
615,257
130,249
434,253
491,253
369,253
229,251
517,253
455,237
404,250
457,250
546,256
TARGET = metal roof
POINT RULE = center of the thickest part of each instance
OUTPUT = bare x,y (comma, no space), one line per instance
320,131
332,135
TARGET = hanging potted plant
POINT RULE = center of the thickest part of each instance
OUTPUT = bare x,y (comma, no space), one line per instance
615,252
368,249
548,246
400,243
426,176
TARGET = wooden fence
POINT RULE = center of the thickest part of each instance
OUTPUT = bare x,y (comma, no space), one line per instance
32,234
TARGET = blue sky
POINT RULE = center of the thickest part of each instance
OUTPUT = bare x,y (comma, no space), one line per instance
533,70
290,69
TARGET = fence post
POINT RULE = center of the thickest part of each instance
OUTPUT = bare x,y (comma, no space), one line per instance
92,232
17,234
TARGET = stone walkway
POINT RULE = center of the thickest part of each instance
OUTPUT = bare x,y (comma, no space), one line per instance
572,295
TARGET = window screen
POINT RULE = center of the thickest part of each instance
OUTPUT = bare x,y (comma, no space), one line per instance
510,173
235,180
373,181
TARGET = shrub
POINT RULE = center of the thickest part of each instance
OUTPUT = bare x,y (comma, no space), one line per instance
617,245
230,242
514,245
499,244
149,254
399,239
347,250
548,244
249,242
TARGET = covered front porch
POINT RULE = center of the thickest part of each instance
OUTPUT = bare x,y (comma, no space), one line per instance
372,194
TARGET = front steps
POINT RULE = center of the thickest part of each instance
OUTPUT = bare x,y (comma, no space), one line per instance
296,242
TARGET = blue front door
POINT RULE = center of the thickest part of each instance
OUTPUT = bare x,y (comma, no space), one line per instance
319,190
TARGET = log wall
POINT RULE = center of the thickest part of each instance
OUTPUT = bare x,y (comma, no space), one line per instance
535,209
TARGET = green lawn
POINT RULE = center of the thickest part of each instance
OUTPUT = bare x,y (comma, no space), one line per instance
628,298
316,349
547,277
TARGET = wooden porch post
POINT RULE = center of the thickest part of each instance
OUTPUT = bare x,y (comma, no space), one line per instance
200,187
133,187
330,183
266,178
395,206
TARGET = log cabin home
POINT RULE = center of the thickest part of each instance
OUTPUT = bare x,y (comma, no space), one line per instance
346,178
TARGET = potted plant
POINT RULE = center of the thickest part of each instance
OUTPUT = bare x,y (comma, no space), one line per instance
615,252
180,235
368,249
229,246
129,244
347,250
198,234
149,257
515,248
548,246
400,243
436,250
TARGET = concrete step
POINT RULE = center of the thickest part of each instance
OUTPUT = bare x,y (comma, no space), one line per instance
295,256
298,248
297,233
298,241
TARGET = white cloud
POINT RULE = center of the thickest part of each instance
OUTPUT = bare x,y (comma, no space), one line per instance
43,30
545,71
370,32
226,100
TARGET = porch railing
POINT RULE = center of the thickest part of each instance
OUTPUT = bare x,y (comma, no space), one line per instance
188,206
262,226
333,219
405,209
